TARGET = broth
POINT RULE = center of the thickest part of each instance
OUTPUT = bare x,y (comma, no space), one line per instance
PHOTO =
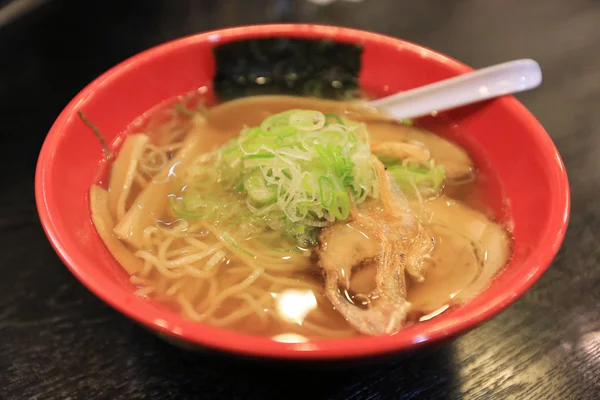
264,283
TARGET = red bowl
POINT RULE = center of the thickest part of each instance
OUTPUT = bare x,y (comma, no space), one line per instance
504,137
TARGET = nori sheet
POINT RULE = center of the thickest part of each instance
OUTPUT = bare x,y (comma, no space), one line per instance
302,67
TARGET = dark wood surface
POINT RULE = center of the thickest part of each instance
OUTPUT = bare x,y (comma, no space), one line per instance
57,341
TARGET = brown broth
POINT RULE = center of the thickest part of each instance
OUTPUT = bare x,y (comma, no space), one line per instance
434,295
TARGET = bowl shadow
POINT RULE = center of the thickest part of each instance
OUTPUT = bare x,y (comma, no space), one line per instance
425,372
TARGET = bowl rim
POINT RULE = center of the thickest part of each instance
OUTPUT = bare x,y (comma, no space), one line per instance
247,345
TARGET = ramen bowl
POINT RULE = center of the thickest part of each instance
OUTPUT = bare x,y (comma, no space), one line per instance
502,136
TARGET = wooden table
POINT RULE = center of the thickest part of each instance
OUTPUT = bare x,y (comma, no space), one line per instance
58,341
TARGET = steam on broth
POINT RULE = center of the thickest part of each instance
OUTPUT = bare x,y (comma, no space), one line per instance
297,218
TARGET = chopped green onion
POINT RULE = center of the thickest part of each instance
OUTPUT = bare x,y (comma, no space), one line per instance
292,172
428,181
226,236
260,156
342,206
228,239
306,120
336,117
193,206
326,189
258,190
278,124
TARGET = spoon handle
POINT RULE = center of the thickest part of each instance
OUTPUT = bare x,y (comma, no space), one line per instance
497,80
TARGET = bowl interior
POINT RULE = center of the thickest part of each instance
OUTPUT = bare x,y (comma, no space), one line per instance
502,135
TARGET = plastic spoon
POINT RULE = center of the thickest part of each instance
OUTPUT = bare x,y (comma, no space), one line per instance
506,78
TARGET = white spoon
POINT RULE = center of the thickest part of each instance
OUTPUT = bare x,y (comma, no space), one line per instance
506,78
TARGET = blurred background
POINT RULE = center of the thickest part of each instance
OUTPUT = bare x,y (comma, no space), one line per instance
58,341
